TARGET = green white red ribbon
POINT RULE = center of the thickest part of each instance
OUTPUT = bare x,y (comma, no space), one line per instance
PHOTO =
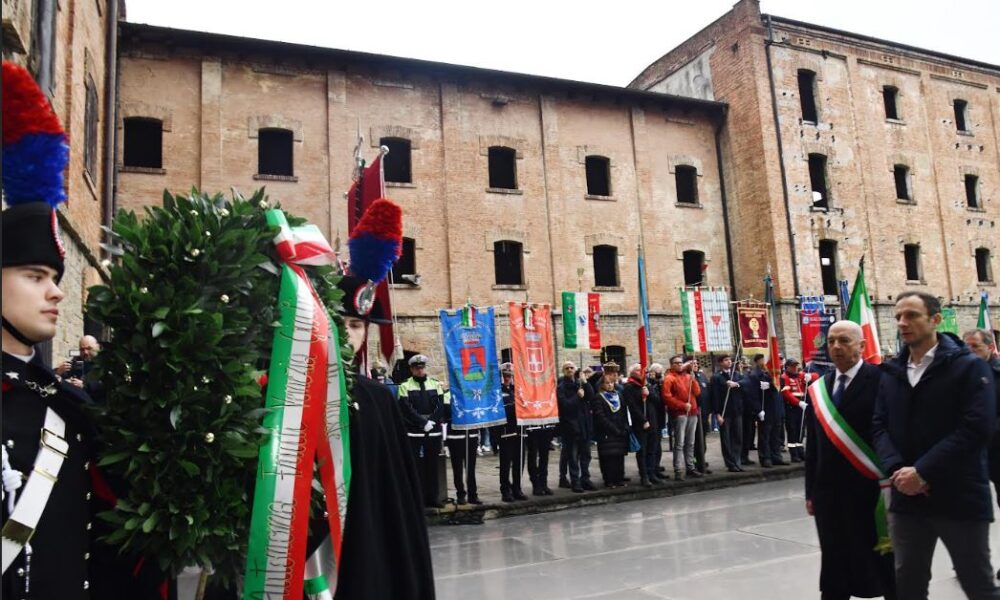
309,424
857,451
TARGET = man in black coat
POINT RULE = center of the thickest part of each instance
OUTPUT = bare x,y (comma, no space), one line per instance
761,396
727,405
641,419
385,551
841,499
934,417
573,395
47,437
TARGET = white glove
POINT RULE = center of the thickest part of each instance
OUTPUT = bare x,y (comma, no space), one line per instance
760,415
764,385
802,404
12,480
428,425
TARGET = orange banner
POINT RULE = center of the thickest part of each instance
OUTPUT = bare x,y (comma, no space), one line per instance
534,363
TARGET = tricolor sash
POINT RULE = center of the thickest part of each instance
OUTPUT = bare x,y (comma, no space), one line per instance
309,424
857,452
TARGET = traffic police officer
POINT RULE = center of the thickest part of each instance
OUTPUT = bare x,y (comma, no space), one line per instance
422,402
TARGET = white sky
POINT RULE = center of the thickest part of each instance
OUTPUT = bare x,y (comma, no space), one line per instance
600,41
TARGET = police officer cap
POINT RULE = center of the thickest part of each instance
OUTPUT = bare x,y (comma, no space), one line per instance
418,360
507,368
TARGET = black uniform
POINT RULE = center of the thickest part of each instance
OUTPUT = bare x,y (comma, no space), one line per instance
731,429
539,444
463,447
511,441
60,547
611,433
770,433
641,414
422,400
386,553
575,429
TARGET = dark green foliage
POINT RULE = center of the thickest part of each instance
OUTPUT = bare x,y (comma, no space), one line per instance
192,314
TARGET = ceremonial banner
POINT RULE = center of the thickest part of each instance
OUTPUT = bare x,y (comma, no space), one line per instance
642,328
773,359
860,311
810,327
752,322
309,424
469,336
534,363
949,320
706,320
984,321
581,314
822,356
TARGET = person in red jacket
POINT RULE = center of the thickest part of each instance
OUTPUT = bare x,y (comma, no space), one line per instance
793,391
680,393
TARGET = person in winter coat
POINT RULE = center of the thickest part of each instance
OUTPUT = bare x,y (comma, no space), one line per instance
727,400
680,396
574,395
611,432
934,417
642,423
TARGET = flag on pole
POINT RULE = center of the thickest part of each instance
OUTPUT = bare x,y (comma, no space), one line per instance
581,320
844,296
984,321
860,311
773,360
645,340
949,320
473,371
366,189
706,320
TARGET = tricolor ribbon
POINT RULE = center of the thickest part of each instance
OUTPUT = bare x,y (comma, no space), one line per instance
857,452
308,421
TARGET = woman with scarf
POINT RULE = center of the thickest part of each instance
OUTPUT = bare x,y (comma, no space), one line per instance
611,432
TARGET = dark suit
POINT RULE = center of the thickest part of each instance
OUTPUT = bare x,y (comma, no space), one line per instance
844,500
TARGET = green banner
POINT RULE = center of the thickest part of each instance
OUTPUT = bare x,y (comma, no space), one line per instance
949,320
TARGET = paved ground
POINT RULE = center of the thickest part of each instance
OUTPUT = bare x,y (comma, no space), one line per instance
751,542
488,473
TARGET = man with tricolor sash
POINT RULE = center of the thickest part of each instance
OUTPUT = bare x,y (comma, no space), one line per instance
934,416
843,474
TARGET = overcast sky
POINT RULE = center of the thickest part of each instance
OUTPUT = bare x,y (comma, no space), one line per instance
605,42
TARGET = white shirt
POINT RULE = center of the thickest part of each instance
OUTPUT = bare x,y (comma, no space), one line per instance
914,371
851,374
22,357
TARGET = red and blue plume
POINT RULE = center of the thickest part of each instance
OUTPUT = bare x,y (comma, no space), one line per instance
35,152
377,241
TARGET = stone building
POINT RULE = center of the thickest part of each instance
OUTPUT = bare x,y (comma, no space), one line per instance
838,145
513,187
69,46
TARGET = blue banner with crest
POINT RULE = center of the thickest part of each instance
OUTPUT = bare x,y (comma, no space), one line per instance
469,336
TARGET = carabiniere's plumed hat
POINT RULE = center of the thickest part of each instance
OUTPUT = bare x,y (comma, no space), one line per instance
35,155
375,244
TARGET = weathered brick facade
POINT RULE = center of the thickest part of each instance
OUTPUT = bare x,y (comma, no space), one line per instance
77,51
738,58
213,93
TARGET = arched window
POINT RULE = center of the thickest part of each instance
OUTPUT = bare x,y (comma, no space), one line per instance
606,266
396,164
142,143
274,152
503,168
598,175
507,263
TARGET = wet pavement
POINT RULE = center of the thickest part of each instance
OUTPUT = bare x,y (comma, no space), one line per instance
750,542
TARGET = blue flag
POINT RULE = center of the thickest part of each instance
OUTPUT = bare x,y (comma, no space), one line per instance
469,336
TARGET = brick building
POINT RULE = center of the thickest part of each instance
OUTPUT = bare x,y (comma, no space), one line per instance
509,183
838,145
69,46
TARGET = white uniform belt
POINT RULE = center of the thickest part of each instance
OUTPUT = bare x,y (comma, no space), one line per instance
20,526
462,436
432,434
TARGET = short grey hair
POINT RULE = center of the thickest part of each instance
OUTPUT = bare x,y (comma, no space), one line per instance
984,334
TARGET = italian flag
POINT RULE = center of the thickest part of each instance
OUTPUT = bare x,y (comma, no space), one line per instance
860,311
581,315
984,321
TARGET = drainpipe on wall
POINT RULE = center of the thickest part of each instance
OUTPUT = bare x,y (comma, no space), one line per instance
781,156
725,205
110,117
